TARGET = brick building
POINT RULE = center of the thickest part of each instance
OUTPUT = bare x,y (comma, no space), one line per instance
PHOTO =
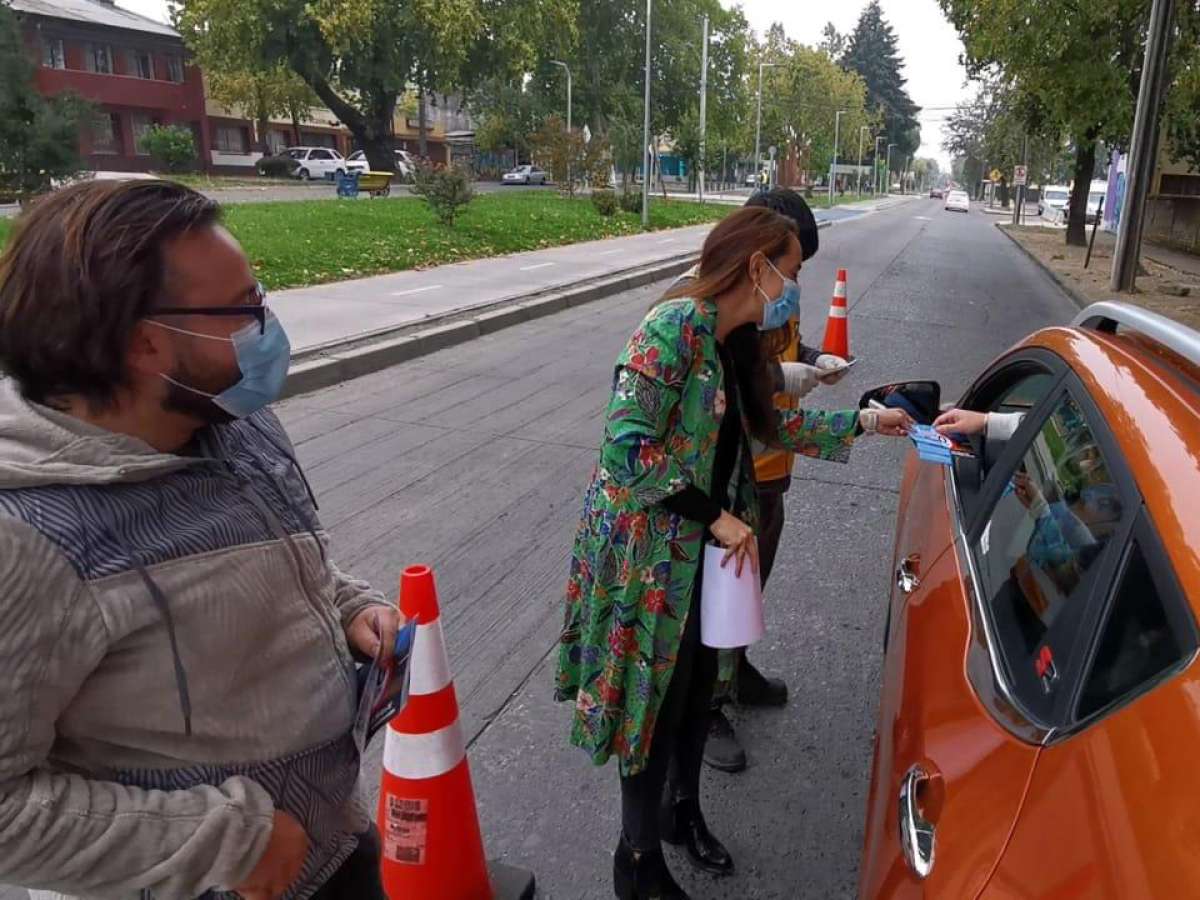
133,68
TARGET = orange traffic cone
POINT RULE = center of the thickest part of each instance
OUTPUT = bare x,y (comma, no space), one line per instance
837,327
432,846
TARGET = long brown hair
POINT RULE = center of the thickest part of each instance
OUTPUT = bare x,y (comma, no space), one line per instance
724,262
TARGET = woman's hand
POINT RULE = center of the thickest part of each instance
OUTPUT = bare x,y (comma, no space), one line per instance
893,422
961,421
738,540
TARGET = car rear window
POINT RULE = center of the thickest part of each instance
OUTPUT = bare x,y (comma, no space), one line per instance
1040,549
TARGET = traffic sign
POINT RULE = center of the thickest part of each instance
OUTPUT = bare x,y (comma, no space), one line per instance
1019,173
996,175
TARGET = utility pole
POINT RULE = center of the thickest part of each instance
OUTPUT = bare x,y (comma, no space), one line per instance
887,174
837,134
646,151
567,69
703,105
758,120
858,174
1144,151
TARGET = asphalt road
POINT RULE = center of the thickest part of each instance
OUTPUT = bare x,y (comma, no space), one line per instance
474,460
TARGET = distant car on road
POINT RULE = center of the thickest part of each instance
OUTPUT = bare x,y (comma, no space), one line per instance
936,193
958,201
357,162
1096,192
1038,721
524,175
306,162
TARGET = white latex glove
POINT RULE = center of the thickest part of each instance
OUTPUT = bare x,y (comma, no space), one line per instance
829,361
799,378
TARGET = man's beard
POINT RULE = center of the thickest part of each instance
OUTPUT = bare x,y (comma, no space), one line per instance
181,400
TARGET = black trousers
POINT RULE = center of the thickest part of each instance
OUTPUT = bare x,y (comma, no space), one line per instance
677,748
358,877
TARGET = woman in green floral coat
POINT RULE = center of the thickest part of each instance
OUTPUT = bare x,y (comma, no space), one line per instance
690,388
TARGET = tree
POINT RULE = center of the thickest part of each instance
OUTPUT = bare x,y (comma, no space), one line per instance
871,51
173,146
261,95
833,42
1084,82
360,56
39,136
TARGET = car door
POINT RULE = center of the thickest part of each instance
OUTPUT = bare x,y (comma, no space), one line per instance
952,755
1114,790
320,163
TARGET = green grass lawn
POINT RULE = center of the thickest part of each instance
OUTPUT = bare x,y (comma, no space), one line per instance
310,242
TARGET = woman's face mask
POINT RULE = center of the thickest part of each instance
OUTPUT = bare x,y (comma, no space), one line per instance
777,311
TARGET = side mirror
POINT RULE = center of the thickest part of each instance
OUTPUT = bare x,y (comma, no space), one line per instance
920,399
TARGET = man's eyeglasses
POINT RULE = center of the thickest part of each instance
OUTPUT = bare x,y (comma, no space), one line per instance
257,309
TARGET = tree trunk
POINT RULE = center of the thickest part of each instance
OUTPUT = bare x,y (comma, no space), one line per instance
1085,162
295,127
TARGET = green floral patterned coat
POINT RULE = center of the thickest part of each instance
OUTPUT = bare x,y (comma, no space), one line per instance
634,563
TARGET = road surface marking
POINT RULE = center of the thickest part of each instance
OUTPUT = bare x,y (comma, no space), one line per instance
432,287
668,241
611,252
538,266
923,218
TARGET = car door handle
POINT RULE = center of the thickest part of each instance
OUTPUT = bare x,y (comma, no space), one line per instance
916,834
906,574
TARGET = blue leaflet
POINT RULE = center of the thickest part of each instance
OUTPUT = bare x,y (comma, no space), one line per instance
932,447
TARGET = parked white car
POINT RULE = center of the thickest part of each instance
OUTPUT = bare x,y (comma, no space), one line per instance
316,162
405,164
958,201
524,175
1053,200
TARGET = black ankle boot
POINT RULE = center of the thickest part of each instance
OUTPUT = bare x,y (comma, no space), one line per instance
643,875
682,823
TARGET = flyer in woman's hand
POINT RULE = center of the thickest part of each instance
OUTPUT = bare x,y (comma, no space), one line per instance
383,691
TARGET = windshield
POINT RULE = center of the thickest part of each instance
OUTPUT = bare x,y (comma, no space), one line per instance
1056,195
1094,199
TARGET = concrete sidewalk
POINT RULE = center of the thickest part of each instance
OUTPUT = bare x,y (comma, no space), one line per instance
323,317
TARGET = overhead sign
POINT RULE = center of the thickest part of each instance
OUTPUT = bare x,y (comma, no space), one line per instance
1019,175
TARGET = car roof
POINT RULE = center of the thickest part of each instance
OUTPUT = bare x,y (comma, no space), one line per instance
1143,373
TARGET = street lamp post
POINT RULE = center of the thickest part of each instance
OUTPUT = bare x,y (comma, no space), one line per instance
758,120
837,134
875,180
646,131
858,174
703,106
888,171
567,69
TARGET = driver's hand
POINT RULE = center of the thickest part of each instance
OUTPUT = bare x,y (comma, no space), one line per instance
961,421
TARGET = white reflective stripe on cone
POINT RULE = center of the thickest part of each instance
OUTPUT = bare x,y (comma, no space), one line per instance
430,667
417,756
839,289
837,312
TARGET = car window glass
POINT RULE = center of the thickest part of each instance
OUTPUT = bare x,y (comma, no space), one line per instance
1039,550
296,154
1139,640
320,154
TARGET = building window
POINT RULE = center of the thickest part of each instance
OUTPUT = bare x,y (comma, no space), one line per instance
278,141
52,53
140,64
318,139
140,124
230,139
99,58
106,133
175,69
1180,185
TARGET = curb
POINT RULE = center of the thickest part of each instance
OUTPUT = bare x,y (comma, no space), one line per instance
1076,297
333,363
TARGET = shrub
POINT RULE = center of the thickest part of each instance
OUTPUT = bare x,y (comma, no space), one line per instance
631,202
447,190
172,145
606,203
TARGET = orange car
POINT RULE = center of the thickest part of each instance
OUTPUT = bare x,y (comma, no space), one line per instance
1039,726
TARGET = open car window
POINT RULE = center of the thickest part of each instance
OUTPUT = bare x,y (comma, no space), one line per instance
1039,551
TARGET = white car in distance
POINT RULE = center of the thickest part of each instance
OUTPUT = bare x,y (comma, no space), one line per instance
958,201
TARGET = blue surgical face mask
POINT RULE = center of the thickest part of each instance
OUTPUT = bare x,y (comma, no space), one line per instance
263,358
777,312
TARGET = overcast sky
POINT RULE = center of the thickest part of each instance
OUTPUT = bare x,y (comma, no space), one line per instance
928,46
